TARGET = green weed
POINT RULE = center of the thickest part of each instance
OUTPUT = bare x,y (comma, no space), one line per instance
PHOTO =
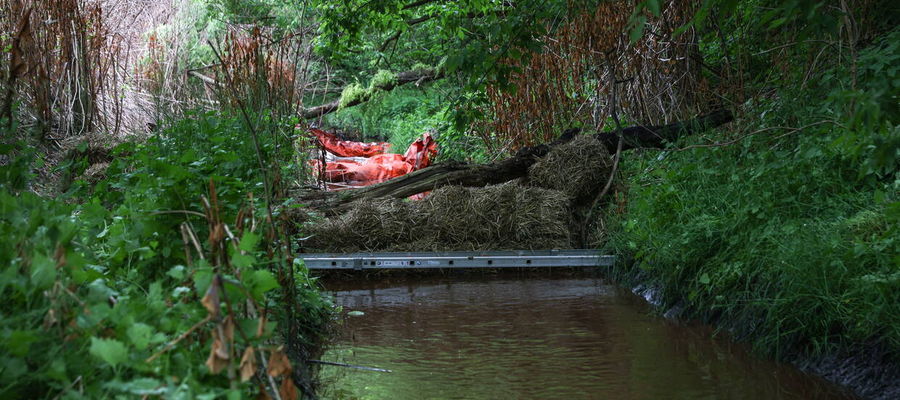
98,293
791,236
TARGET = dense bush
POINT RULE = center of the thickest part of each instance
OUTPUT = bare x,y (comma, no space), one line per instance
96,293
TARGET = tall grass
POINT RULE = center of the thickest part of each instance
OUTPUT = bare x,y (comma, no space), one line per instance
69,61
790,236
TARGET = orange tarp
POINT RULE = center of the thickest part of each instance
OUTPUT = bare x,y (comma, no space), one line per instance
346,148
356,172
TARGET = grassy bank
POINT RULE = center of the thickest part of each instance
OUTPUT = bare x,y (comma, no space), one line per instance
786,227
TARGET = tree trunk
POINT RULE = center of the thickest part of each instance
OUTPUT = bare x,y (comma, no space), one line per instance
475,175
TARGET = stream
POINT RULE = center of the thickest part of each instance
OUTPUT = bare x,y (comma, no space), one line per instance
536,336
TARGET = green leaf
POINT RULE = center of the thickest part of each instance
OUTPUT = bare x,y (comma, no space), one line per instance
653,5
637,30
110,350
12,368
249,241
234,395
43,271
202,276
262,281
176,272
242,260
704,279
20,341
140,335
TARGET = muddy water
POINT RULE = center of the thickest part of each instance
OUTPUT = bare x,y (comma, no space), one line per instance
536,338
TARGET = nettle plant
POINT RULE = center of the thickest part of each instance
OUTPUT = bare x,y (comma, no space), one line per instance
161,282
76,321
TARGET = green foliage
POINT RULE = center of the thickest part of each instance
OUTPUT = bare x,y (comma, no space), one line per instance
352,93
402,115
284,15
16,174
467,39
420,67
872,107
793,232
802,17
382,78
92,290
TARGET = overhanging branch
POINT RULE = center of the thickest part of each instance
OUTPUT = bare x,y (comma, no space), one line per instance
418,76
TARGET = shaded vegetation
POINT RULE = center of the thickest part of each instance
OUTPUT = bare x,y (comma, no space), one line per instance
97,292
148,162
787,235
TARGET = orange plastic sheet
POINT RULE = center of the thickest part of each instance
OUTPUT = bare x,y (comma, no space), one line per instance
346,148
344,173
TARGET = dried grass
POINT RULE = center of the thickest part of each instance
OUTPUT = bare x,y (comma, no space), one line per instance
507,216
368,225
578,168
566,84
532,213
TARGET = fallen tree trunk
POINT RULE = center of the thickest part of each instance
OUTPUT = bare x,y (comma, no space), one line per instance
476,175
656,137
402,78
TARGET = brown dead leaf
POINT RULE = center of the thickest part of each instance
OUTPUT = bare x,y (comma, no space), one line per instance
216,234
228,329
279,364
211,299
60,255
248,364
287,390
222,351
218,355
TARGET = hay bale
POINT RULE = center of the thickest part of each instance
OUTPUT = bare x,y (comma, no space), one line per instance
535,214
368,226
578,168
446,216
499,217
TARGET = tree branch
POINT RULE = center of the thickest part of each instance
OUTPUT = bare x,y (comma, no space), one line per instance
418,76
417,4
476,175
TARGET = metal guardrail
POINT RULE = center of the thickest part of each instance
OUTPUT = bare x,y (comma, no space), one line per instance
458,259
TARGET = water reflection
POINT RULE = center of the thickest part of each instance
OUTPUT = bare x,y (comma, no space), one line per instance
536,338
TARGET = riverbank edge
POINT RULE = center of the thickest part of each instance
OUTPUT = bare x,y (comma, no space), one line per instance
864,369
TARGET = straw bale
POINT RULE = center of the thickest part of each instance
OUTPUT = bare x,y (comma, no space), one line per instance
367,226
507,216
578,168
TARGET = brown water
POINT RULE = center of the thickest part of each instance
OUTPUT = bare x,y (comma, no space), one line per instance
536,338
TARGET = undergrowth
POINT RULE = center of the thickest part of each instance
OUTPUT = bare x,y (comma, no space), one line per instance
402,115
789,237
157,280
